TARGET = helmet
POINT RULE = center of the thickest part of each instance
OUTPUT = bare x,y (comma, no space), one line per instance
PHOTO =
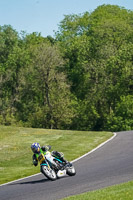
35,147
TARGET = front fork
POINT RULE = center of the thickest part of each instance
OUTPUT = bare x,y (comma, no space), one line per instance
44,164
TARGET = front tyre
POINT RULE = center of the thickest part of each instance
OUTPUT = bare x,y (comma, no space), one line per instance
49,173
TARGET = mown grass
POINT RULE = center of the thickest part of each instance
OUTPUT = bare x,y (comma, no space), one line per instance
117,192
16,155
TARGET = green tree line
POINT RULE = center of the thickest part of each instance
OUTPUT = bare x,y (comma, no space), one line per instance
82,79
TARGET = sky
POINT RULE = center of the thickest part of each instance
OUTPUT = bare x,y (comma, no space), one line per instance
44,16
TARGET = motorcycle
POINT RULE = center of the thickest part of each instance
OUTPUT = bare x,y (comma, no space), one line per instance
53,167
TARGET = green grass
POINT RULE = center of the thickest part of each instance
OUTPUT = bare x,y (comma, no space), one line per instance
117,192
16,155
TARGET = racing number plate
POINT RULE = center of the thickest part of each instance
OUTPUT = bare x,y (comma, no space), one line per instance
41,158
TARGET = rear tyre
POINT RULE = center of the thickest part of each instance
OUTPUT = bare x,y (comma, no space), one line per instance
49,173
71,171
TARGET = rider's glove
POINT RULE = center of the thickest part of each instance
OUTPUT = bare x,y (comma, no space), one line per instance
46,148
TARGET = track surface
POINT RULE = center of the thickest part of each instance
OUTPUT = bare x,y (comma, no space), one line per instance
111,164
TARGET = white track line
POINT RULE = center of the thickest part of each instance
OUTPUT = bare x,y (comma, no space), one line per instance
71,161
95,148
19,179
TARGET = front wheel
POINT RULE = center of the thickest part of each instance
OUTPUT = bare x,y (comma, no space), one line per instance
49,173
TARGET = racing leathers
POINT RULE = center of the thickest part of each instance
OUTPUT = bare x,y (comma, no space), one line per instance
43,150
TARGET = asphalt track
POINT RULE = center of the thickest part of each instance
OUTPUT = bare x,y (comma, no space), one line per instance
110,164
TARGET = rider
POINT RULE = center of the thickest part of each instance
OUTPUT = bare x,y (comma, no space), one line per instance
37,149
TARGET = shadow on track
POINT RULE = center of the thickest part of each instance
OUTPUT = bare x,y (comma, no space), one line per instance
37,181
32,182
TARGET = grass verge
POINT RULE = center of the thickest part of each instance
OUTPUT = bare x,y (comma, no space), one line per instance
16,155
117,192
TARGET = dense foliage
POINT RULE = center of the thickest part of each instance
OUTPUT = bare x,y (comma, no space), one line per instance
82,79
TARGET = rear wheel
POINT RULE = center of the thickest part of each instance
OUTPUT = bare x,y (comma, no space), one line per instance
49,173
71,171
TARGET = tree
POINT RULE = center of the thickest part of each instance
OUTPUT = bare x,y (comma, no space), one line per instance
82,79
99,61
122,118
47,90
8,43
